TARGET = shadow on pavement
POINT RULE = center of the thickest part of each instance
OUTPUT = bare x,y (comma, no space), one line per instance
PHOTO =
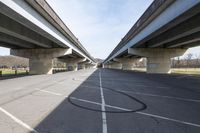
76,116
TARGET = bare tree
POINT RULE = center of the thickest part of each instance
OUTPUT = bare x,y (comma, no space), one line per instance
188,58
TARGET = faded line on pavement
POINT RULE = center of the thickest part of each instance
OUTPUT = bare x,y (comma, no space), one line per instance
152,95
20,122
50,92
162,96
141,113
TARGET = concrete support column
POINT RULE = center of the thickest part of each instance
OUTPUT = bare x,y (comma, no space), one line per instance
127,63
108,65
127,66
158,59
88,66
40,66
73,66
105,66
116,65
40,60
159,64
73,63
82,66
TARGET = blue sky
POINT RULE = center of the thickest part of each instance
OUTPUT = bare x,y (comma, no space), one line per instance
99,24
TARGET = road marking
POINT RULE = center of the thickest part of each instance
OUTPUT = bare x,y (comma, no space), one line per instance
162,96
142,113
83,100
50,92
153,95
104,120
18,121
169,119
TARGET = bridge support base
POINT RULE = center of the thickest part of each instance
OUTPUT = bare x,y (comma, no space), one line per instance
116,65
73,67
73,64
127,63
82,66
158,59
40,60
40,66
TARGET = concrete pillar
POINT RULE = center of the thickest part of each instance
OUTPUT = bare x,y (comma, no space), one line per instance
73,63
105,65
74,66
82,66
127,63
159,64
88,66
40,66
158,59
40,60
109,65
116,65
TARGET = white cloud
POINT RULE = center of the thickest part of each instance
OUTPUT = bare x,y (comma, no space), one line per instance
99,24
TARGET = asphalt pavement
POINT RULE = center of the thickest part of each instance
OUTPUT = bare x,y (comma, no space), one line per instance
100,101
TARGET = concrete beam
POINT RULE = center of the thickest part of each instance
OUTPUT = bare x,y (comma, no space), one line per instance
184,29
158,59
41,53
15,29
22,12
15,41
40,60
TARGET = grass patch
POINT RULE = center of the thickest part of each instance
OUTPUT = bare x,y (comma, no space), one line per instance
12,72
186,70
176,70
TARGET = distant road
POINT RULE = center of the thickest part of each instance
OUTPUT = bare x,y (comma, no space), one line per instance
100,101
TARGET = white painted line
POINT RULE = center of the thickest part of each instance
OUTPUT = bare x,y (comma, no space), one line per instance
83,100
169,119
142,113
104,120
153,95
50,92
169,97
18,121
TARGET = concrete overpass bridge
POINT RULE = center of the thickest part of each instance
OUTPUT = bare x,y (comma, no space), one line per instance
166,30
33,30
